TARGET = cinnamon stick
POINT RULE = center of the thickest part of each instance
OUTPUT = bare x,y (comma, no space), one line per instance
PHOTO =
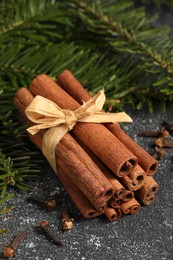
148,191
103,143
135,179
80,174
119,189
130,207
149,200
112,214
78,198
72,86
128,196
89,163
82,178
115,203
118,210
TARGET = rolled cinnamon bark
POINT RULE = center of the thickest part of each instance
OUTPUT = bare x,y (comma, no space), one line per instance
82,177
103,143
149,200
112,214
145,160
118,210
78,198
148,191
128,196
130,207
115,203
136,175
72,86
119,189
135,179
83,156
80,174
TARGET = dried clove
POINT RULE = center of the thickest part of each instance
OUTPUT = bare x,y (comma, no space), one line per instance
150,133
10,250
162,142
67,223
164,133
50,233
49,204
154,133
159,153
168,126
162,139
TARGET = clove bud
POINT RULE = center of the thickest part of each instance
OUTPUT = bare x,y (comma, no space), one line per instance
67,223
9,250
161,142
49,204
159,154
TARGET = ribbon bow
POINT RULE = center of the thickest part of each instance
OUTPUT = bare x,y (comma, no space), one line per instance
48,115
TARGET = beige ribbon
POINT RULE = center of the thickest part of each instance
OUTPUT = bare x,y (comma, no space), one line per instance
47,115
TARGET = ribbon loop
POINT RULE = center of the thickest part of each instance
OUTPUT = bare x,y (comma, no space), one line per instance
48,115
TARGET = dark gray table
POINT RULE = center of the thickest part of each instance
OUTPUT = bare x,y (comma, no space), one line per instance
146,235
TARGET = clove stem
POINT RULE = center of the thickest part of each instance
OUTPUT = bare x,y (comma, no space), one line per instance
50,233
49,204
150,133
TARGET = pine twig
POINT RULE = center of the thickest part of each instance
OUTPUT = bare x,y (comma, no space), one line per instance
98,21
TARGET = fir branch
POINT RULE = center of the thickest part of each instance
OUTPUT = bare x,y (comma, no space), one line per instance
22,21
122,39
3,231
89,67
14,166
98,22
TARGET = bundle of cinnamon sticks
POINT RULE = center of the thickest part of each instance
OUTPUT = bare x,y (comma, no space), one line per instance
103,170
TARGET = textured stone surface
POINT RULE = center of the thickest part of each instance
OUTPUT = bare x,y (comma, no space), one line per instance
146,235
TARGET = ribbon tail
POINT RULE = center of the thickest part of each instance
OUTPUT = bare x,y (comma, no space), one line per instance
102,117
50,140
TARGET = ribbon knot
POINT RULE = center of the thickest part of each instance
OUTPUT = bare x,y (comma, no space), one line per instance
71,120
48,115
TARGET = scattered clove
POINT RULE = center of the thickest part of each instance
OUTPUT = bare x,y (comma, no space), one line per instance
159,153
164,133
67,223
49,204
168,126
162,142
159,142
154,133
10,250
50,233
149,133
